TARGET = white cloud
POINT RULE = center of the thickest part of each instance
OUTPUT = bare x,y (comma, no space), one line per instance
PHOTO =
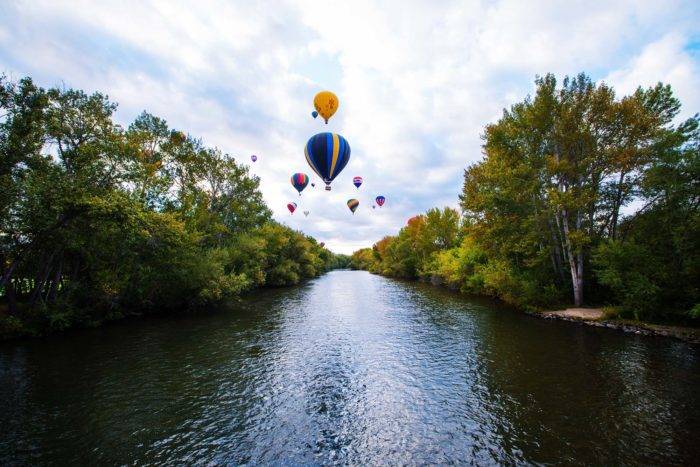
417,80
664,60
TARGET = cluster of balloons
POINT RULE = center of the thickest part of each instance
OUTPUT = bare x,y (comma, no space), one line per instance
327,154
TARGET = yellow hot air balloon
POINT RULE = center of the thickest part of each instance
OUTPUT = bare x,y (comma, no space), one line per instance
326,103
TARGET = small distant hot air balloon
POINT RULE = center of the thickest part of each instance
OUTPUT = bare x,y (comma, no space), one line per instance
326,103
306,213
313,185
357,181
327,154
299,181
353,204
314,114
253,158
374,207
292,207
322,244
380,200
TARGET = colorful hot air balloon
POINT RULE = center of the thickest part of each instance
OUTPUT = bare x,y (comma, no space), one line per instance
326,103
357,181
353,204
314,114
291,207
253,158
380,200
327,154
299,181
306,213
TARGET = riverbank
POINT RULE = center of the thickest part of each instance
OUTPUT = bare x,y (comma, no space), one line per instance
29,323
596,317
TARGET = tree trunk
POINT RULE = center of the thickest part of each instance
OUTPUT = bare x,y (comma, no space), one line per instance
41,278
616,207
11,299
7,273
556,255
576,267
54,284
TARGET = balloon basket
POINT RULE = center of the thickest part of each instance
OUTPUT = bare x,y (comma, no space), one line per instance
328,188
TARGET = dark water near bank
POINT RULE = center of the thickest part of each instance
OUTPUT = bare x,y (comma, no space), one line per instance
350,368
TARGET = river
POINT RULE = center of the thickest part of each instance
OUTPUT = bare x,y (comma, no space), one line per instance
350,368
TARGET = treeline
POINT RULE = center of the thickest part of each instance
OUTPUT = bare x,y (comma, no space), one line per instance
581,198
98,221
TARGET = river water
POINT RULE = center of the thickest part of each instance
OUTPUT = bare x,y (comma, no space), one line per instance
350,368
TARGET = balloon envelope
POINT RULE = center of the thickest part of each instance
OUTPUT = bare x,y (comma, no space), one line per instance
306,213
253,158
299,181
357,181
327,154
326,103
380,200
314,114
291,207
353,204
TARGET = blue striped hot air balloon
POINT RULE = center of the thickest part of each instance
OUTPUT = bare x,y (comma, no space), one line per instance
327,154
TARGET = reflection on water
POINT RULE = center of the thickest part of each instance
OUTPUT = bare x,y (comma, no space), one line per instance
350,368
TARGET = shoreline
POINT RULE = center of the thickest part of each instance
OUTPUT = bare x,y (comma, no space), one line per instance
594,317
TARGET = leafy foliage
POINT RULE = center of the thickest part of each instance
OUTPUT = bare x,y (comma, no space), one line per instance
98,221
549,217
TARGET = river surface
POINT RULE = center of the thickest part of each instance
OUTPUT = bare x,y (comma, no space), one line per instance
350,368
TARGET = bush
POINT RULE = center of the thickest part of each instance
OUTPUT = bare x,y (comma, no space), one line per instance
628,269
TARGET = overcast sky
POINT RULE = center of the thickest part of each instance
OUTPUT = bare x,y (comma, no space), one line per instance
417,81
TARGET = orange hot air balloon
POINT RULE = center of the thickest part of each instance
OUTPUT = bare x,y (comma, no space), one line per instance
326,104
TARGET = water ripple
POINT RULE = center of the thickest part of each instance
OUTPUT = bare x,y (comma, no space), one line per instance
350,369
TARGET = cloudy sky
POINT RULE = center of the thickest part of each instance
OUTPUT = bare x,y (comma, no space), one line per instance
417,81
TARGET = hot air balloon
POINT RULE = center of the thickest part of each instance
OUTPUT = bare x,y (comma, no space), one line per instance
291,207
374,207
353,204
313,185
299,181
306,213
253,158
322,244
357,181
380,200
327,154
326,103
314,114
